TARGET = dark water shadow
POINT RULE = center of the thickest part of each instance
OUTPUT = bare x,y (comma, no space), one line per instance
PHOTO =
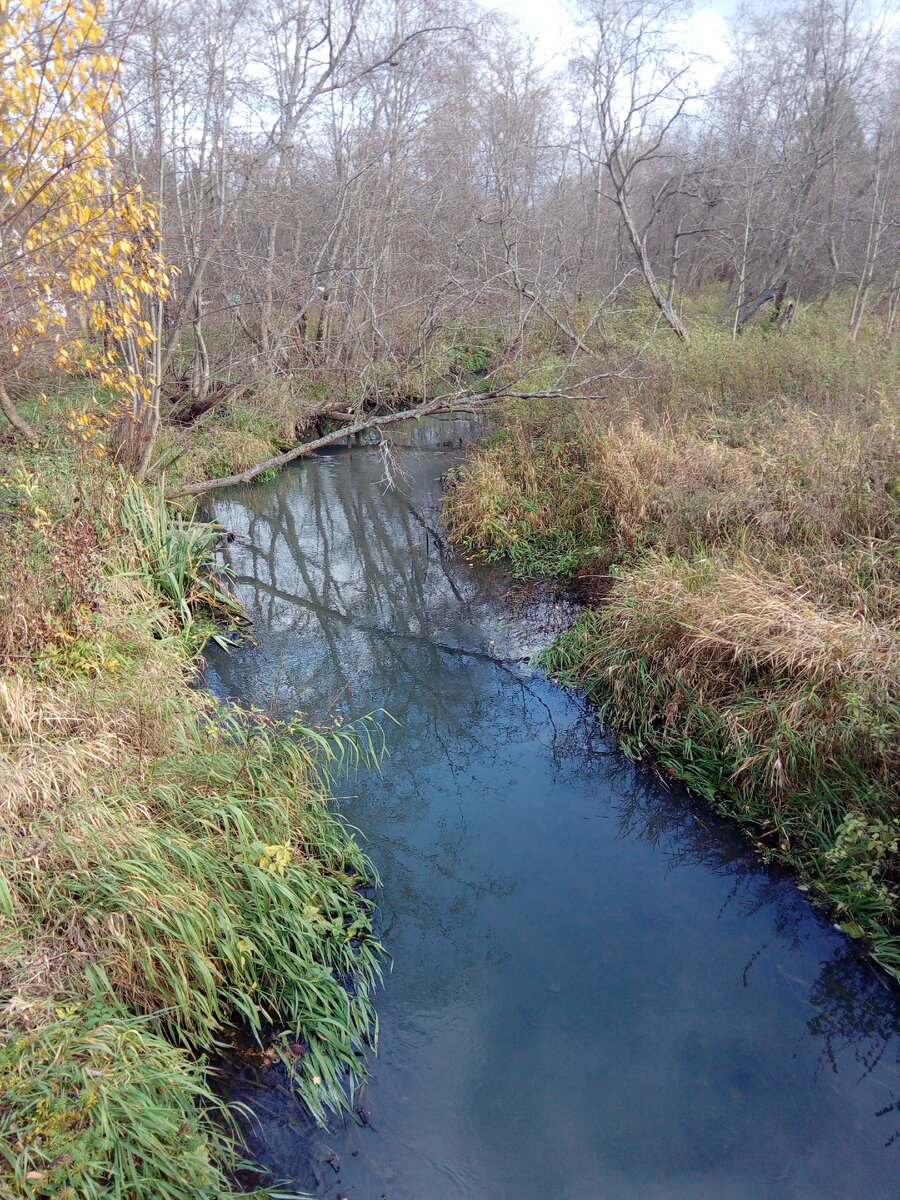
597,989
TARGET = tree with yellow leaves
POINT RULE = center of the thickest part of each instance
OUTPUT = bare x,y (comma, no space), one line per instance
81,271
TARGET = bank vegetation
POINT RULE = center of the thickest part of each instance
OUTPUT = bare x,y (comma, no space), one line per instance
731,522
170,869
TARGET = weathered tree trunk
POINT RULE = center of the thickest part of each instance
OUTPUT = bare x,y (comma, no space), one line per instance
15,418
745,258
775,292
301,334
200,362
877,223
640,248
673,269
452,402
893,304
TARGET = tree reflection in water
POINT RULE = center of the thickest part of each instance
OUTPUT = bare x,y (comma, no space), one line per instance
598,989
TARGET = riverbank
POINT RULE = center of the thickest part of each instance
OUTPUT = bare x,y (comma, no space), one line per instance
731,522
168,866
594,981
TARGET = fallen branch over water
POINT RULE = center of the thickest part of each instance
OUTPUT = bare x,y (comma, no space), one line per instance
452,402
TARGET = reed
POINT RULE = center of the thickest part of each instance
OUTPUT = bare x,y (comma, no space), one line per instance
169,867
176,555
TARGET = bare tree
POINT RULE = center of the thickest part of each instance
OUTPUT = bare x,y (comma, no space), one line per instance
810,74
367,200
638,81
883,188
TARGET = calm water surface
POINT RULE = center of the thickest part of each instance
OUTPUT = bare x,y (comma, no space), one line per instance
597,992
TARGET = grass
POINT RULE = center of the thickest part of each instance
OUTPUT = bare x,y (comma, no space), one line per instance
730,515
75,1078
176,555
169,867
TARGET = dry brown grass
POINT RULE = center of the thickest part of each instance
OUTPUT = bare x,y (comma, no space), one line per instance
711,620
784,712
47,755
48,581
78,731
810,497
734,514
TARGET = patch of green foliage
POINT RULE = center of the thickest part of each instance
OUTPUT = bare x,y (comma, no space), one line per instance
98,1105
169,867
177,555
470,354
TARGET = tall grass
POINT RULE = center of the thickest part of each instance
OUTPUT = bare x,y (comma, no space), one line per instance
176,555
168,867
731,516
73,1080
595,489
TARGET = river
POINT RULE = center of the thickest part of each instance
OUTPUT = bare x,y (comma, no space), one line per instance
596,990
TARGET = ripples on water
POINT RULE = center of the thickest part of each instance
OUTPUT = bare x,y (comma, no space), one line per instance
597,991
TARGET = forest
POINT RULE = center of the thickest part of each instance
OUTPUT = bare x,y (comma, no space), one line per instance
661,274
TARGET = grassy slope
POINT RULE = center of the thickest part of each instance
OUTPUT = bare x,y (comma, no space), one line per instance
732,517
166,867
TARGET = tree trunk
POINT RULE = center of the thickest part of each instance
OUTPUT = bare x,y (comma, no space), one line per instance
199,372
873,247
893,302
668,310
16,420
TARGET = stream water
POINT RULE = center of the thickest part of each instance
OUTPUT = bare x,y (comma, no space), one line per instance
597,992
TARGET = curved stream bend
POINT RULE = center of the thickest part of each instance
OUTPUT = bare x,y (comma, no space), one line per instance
597,991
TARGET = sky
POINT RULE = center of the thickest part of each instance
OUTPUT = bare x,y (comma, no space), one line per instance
549,23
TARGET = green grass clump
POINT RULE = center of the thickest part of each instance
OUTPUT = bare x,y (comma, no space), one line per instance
176,555
524,498
212,452
72,1081
170,868
216,886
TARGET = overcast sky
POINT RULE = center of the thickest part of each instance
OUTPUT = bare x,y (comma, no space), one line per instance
548,21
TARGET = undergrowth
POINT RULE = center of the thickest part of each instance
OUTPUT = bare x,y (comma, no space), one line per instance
731,516
169,867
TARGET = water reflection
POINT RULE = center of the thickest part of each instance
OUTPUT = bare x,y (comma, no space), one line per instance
597,990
